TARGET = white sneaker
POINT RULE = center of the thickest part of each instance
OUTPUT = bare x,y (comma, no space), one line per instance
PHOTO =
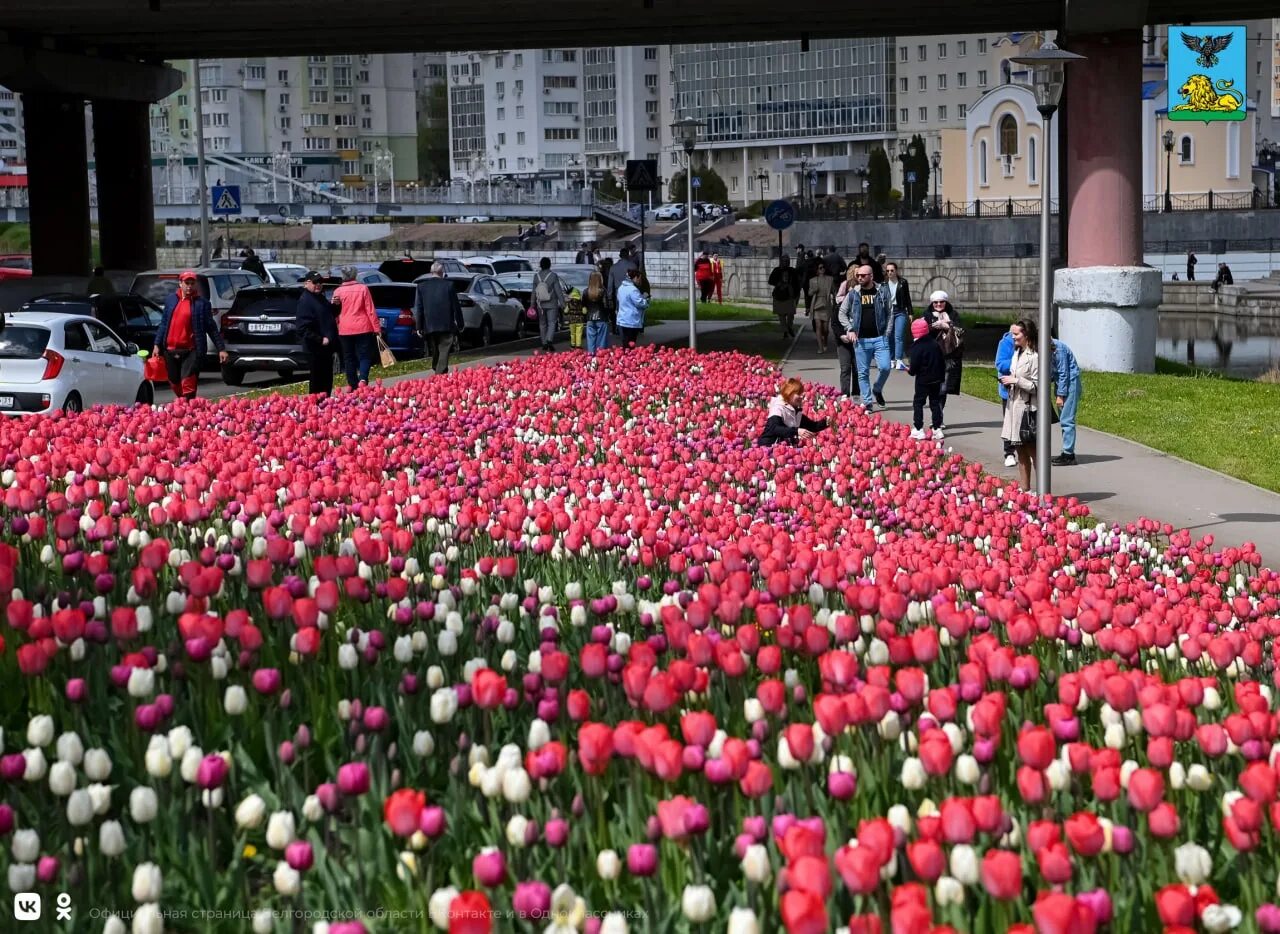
938,434
917,434
1010,461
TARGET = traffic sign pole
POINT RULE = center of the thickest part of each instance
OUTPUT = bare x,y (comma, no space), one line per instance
200,167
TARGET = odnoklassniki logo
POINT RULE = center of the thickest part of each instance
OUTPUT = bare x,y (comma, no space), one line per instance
1207,73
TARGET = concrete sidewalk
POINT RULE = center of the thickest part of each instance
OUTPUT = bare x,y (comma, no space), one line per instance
1120,480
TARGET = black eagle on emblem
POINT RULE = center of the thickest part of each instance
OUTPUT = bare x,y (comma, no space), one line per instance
1206,47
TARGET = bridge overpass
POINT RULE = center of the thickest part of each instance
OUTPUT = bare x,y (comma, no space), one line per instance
110,53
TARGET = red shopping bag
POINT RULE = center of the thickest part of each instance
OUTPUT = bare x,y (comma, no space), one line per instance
154,370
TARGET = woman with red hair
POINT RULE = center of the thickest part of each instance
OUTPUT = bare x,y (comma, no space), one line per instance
787,421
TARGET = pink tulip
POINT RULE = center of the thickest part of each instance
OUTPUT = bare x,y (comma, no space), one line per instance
489,867
211,772
532,900
298,855
642,859
353,779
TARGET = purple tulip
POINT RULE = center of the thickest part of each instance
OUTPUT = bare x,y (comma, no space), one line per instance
532,900
489,867
642,859
286,752
556,831
76,690
47,869
328,796
841,785
353,779
1099,902
376,719
6,820
755,826
431,821
266,680
1122,840
212,771
299,855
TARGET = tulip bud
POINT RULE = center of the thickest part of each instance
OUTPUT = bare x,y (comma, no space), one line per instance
755,864
69,749
111,838
97,765
281,830
25,846
79,808
159,763
743,921
286,879
143,804
147,920
608,866
913,776
948,891
698,903
967,770
263,921
147,883
180,741
62,779
35,766
250,812
142,682
964,864
235,700
438,906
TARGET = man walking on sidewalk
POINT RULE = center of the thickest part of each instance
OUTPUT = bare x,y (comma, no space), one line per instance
863,323
1067,388
437,314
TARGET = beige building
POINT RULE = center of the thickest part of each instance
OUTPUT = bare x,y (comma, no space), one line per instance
997,156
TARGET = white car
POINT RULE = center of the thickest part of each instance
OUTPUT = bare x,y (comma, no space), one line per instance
669,212
51,361
285,273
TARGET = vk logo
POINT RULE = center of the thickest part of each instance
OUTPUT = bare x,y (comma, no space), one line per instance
26,906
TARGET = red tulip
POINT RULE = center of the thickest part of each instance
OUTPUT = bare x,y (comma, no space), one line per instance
402,809
1146,789
470,913
803,912
928,861
1085,833
859,867
1002,874
1058,913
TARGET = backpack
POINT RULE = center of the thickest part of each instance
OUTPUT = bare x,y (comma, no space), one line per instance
542,291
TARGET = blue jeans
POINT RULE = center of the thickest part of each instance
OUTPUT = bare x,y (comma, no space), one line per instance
1068,416
866,349
898,337
358,351
597,336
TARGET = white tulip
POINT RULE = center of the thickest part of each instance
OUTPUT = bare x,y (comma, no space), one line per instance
79,808
264,921
402,650
250,812
438,906
1217,918
967,770
40,730
743,921
608,866
147,883
539,734
37,766
69,749
517,830
1058,774
889,727
913,774
516,786
97,765
444,704
235,700
180,740
100,797
446,643
614,923
159,763
281,830
62,779
1199,778
312,809
25,846
753,710
113,925
111,838
1192,863
755,864
190,764
964,864
698,903
347,660
948,891
148,920
1177,776
22,876
785,757
143,804
142,682
286,879
1114,736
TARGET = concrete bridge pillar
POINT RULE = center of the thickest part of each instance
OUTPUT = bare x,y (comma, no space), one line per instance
58,176
1107,300
122,156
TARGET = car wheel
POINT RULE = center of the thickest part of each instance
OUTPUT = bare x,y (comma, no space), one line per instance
146,394
73,404
232,377
485,336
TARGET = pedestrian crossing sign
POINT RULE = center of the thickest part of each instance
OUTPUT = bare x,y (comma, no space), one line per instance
642,174
226,199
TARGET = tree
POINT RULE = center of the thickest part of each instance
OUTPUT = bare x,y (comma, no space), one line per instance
919,163
878,179
608,187
712,188
433,134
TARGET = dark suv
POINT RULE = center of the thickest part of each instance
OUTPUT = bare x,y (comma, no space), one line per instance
260,329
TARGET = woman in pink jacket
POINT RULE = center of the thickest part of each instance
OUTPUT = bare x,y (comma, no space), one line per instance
358,327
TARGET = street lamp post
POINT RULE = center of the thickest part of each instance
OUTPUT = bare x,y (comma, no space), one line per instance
936,162
1048,73
384,160
174,163
283,163
863,172
1168,170
686,130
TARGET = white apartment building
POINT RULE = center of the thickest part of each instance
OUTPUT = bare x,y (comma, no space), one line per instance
551,118
13,141
327,118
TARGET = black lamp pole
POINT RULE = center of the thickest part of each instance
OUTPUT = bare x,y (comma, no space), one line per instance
1168,170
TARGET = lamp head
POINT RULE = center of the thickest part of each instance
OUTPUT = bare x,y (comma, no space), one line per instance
1048,72
1168,140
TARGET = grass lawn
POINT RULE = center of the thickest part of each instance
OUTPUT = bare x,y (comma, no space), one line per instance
1208,419
678,310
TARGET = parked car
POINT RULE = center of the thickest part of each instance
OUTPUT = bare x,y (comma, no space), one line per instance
487,308
15,266
261,333
366,273
394,303
131,316
407,270
475,219
574,276
518,285
669,212
219,286
497,265
51,361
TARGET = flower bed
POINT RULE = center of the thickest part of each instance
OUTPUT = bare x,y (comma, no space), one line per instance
550,647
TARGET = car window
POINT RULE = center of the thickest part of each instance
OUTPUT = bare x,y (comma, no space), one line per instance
222,286
74,336
140,314
512,265
110,312
242,280
483,287
156,288
23,342
288,275
102,340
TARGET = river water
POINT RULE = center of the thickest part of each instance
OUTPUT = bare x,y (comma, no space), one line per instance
1242,346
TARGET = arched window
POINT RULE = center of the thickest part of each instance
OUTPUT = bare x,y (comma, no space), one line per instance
1186,152
1032,162
982,162
1008,135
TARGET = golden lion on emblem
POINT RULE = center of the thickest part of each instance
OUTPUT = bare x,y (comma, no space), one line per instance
1203,96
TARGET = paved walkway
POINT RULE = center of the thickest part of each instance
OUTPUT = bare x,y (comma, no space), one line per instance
1119,480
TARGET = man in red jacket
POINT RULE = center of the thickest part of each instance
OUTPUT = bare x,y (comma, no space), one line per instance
181,338
703,275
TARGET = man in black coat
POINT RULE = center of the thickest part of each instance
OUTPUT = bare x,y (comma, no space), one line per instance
253,263
437,314
318,326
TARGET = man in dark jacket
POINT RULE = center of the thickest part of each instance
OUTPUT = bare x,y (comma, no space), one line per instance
318,326
252,263
182,337
437,314
586,256
864,258
618,275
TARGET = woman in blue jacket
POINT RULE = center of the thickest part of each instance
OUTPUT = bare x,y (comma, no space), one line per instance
182,337
631,307
1004,360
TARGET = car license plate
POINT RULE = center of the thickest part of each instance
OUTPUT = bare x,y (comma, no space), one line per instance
259,328
6,402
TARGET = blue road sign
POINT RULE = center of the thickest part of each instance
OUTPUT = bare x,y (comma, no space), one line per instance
226,199
911,177
696,183
780,214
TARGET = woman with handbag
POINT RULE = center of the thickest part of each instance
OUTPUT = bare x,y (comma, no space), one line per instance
358,327
1019,427
944,324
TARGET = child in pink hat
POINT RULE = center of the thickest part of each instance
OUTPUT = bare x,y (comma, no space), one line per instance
926,363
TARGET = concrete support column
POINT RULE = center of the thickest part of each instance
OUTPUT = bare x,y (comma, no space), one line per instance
58,177
122,156
1107,299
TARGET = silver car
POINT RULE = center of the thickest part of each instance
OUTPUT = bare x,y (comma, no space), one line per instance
487,308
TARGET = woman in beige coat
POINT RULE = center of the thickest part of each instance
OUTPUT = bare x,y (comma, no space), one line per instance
1022,378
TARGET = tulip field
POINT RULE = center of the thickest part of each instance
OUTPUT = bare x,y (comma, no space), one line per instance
553,646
